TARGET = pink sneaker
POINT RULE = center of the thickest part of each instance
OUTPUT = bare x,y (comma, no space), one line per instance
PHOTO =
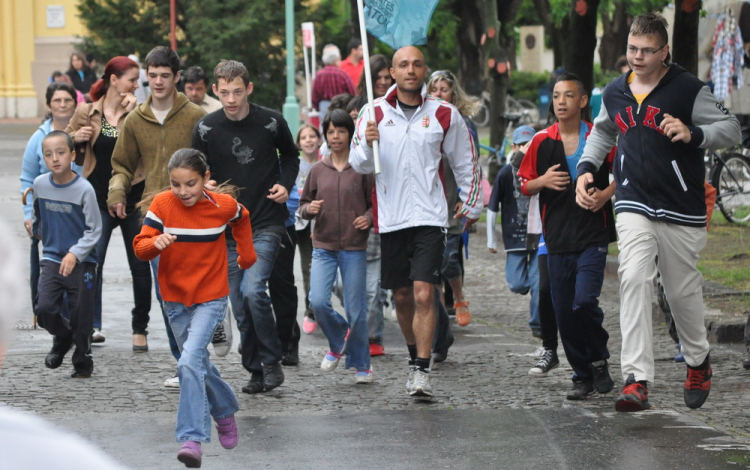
227,430
309,325
190,454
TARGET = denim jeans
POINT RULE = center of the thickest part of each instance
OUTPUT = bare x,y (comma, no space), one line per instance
170,335
443,338
139,270
252,305
353,268
283,292
575,283
522,275
203,393
376,298
34,271
451,267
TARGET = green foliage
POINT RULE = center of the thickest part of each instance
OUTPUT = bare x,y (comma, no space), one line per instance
526,84
249,31
602,77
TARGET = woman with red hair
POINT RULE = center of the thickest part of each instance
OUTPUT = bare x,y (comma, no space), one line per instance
96,126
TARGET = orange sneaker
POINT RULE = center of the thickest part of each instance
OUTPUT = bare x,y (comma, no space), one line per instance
463,315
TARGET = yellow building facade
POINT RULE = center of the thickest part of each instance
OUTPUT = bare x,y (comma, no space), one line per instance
36,38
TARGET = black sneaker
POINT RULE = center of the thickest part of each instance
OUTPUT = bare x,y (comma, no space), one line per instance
581,389
82,373
255,385
546,363
634,396
603,382
698,384
56,355
536,332
273,376
746,363
291,357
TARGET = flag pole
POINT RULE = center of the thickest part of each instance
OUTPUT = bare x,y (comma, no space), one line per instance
368,79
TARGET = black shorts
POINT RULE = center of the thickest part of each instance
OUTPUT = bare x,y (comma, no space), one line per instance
411,254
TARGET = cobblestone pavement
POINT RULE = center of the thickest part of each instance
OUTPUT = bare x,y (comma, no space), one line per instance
486,368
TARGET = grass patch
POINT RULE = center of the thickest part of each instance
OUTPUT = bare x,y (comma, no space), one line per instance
726,257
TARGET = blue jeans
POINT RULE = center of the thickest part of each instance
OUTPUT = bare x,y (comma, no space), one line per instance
522,275
170,335
252,305
575,283
203,393
376,299
325,264
451,267
139,270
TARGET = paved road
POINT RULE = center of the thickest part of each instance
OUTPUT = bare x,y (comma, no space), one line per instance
488,413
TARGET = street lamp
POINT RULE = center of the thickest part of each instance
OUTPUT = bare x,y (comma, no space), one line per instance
291,108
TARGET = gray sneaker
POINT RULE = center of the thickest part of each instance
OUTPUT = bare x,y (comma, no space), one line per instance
547,362
222,339
420,385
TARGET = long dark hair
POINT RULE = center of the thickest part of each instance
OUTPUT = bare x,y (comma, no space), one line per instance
378,62
118,66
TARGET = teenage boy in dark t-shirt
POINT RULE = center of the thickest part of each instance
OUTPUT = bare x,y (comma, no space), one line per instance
252,148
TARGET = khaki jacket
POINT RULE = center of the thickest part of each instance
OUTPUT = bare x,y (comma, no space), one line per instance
144,141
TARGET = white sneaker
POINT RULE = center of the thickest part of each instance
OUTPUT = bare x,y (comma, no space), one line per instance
172,382
97,336
420,386
330,362
410,377
222,339
363,377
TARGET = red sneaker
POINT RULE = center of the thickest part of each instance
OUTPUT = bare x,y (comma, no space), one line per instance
376,350
698,384
634,396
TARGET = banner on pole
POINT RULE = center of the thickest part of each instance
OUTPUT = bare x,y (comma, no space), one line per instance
399,23
308,34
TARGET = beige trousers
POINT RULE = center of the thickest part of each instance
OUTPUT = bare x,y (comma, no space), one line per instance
640,241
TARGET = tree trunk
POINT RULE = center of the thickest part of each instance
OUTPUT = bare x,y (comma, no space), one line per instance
498,73
614,37
685,34
580,28
553,32
470,71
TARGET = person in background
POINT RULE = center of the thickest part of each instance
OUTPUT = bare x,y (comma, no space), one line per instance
353,65
61,98
58,76
330,80
443,85
380,73
309,141
143,90
196,87
521,267
97,127
81,74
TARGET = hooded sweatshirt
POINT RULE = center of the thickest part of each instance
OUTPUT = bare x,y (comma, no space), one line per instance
346,195
657,178
142,137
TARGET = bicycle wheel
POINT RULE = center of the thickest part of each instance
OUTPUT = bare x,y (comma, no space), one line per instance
732,182
482,117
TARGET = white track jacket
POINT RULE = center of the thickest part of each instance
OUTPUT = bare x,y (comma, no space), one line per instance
409,188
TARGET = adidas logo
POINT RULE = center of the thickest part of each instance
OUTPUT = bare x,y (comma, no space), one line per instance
389,123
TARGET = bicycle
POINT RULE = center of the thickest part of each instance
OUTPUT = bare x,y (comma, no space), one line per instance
528,111
729,173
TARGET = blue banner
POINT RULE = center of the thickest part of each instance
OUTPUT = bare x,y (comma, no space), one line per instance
399,23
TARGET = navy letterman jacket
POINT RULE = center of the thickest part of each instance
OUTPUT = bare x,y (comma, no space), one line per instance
657,178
